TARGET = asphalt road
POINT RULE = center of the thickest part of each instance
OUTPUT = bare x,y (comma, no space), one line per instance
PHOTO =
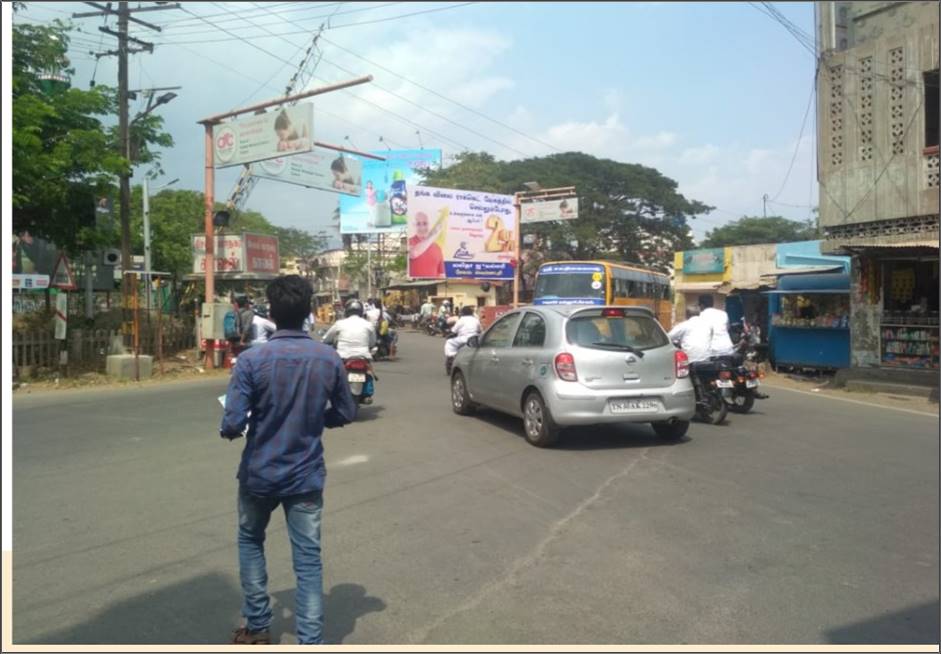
811,521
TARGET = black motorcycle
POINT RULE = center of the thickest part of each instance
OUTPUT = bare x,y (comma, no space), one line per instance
745,375
712,381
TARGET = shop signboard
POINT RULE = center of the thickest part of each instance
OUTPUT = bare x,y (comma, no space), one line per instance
228,253
278,133
705,261
547,210
382,205
22,282
456,234
261,253
316,169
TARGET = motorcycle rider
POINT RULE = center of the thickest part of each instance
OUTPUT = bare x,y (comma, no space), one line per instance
353,336
720,343
693,335
467,325
262,326
427,310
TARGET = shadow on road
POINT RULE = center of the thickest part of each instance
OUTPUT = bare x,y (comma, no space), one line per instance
915,625
597,437
205,610
343,606
368,412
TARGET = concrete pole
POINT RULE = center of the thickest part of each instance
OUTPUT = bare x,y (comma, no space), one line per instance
89,288
209,195
147,268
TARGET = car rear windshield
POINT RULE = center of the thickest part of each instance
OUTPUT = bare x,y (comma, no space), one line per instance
592,329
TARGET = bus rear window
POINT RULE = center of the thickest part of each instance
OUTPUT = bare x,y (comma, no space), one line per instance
574,287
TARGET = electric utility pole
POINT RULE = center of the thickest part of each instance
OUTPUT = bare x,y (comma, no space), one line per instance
124,16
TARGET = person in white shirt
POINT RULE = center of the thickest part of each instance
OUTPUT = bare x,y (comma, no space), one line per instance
374,312
262,327
694,336
353,335
467,325
720,343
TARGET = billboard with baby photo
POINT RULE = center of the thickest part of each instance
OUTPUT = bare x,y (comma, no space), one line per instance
456,234
382,206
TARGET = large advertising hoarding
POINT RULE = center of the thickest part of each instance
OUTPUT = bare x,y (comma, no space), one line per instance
239,253
329,171
281,132
456,234
382,206
547,210
707,260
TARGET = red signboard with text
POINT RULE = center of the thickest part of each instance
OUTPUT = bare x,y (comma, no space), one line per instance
261,253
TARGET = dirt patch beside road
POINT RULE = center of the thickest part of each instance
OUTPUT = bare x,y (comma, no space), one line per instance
823,385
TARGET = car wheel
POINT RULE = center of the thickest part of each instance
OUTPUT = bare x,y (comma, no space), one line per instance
538,427
671,431
742,403
460,400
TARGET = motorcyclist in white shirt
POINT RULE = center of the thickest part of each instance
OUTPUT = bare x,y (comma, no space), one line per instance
720,343
693,335
466,326
353,336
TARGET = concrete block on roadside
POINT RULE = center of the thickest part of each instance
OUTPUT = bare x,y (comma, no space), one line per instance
122,366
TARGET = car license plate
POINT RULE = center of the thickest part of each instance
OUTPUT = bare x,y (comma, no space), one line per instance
355,377
751,383
642,405
724,383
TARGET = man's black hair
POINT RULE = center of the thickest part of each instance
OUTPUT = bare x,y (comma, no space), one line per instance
241,301
289,301
467,311
338,165
705,302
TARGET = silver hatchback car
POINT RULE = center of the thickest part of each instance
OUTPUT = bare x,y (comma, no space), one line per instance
560,366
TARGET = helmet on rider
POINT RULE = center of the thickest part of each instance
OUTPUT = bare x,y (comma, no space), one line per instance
354,308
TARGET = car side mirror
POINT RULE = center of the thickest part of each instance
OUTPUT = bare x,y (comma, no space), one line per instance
474,342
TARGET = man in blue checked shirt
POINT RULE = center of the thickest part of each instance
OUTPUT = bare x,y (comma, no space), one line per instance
285,392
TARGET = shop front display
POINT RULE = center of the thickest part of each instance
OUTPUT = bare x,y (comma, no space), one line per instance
909,326
809,317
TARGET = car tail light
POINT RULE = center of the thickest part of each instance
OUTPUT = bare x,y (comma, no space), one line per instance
682,364
612,313
565,367
725,374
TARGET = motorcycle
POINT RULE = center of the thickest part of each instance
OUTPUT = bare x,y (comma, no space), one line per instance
712,382
358,376
745,376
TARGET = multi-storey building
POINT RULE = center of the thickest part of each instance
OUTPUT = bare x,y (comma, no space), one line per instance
877,136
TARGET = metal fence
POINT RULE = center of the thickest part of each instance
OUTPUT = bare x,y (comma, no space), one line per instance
89,347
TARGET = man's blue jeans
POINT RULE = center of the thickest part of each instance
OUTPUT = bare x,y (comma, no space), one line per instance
302,514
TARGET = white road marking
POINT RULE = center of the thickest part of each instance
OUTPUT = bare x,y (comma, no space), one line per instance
351,460
846,399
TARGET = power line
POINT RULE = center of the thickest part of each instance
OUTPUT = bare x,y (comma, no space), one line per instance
236,37
443,97
295,23
361,99
429,111
800,136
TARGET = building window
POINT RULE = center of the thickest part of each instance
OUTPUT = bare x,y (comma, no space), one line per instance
836,116
931,108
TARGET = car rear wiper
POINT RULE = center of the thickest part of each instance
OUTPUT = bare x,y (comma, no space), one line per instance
623,348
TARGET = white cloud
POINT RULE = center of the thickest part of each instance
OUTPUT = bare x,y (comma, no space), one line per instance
700,155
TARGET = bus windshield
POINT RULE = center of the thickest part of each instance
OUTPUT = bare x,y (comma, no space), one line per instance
570,284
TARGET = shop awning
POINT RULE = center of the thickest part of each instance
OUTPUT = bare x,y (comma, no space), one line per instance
701,286
884,244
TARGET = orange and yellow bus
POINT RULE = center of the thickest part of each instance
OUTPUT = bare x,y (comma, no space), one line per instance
604,283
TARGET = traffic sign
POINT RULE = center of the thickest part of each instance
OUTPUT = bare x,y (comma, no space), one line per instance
62,276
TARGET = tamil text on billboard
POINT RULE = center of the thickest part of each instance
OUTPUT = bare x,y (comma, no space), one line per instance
228,253
277,133
329,171
546,210
460,234
382,206
261,253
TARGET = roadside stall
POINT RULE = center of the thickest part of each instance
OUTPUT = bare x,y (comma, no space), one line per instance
809,318
909,327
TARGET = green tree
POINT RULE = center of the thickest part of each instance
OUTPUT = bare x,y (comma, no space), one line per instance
627,212
752,230
63,155
175,216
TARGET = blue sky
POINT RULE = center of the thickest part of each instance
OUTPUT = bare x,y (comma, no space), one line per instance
711,94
